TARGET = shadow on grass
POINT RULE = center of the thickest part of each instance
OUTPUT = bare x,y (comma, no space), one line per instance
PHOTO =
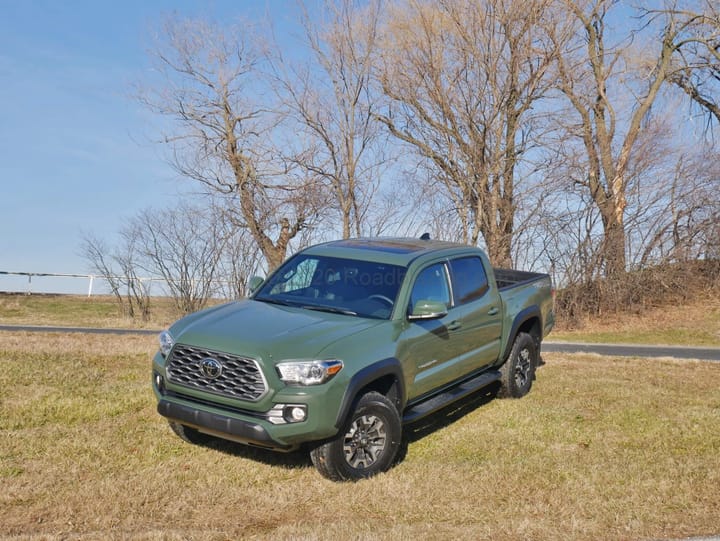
412,432
446,416
298,459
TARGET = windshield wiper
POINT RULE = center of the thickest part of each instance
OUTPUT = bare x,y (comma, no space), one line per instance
275,301
329,309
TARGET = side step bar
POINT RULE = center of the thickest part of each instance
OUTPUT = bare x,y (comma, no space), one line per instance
453,394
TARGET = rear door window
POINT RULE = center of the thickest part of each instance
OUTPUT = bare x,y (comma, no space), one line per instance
469,280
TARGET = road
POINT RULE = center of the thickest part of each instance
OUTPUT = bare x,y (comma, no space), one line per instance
635,350
617,350
38,328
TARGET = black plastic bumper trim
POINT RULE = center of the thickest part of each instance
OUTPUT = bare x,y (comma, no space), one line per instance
220,425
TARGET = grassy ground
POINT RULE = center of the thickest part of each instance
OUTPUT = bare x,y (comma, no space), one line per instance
600,449
79,311
693,324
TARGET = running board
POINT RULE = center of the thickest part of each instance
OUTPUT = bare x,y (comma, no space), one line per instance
453,394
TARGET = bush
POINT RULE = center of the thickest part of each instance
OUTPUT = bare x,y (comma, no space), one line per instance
638,291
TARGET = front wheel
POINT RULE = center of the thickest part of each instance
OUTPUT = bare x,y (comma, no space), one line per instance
518,372
366,445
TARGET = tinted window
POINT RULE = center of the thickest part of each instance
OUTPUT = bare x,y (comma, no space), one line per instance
469,279
431,285
363,288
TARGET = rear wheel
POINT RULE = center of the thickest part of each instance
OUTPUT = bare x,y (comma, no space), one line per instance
518,372
188,434
366,446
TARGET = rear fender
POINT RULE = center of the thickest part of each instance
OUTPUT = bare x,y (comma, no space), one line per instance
528,314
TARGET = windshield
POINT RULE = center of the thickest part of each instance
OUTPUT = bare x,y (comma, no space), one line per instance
332,284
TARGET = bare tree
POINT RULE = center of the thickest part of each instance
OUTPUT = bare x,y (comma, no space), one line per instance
119,268
687,213
225,139
183,246
599,75
196,251
97,254
241,259
330,98
127,257
696,63
462,78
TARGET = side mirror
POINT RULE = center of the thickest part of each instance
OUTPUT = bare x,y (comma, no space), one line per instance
254,283
427,309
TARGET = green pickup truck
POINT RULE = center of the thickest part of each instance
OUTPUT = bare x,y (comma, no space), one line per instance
348,341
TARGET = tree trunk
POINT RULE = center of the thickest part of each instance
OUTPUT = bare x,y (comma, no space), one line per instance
614,246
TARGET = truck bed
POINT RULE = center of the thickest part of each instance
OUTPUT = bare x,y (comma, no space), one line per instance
507,278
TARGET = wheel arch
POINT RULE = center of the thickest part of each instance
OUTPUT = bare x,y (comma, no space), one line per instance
528,321
384,377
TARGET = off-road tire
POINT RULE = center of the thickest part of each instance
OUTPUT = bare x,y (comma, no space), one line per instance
190,435
518,372
367,443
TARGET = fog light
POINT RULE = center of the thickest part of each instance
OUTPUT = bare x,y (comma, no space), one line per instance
287,413
298,414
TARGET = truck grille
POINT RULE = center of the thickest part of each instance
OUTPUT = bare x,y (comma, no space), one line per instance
220,373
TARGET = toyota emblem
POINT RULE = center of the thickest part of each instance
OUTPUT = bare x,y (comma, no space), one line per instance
210,368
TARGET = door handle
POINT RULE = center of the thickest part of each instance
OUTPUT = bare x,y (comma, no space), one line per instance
493,311
454,325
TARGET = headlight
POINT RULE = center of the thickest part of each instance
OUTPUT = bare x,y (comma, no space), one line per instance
166,343
308,372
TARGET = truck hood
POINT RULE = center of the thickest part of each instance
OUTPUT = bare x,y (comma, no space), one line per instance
266,331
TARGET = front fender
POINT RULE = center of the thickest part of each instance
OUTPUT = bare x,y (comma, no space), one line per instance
366,377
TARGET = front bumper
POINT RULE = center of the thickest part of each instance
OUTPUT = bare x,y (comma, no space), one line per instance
254,424
222,426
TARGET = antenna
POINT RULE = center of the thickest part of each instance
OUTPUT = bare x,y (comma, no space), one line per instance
425,236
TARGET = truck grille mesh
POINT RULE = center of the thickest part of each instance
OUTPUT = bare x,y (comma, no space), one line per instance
240,377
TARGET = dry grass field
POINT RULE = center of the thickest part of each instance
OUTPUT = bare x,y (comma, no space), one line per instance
602,448
695,323
80,311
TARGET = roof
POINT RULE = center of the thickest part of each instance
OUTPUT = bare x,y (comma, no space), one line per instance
392,250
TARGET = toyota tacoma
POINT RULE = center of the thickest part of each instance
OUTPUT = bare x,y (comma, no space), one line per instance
347,342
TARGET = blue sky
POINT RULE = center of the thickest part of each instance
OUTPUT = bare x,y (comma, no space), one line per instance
76,152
